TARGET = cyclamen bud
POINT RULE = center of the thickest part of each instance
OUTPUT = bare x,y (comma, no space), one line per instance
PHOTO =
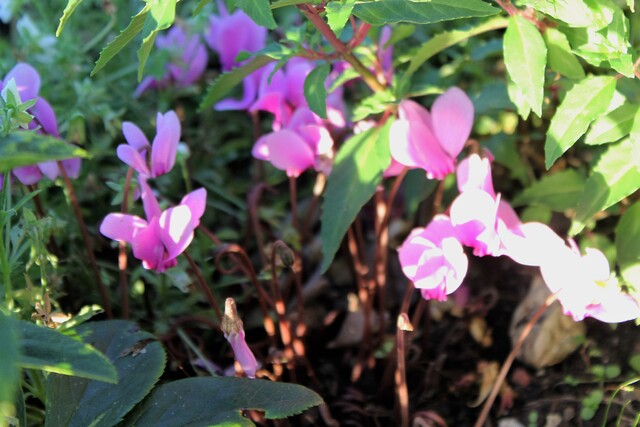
285,253
234,333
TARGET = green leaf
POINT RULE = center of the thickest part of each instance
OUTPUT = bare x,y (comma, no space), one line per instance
66,14
259,11
575,13
125,36
315,91
51,351
518,99
612,126
421,12
559,192
201,4
220,401
227,81
630,5
585,102
441,41
139,360
356,173
338,13
525,56
163,13
612,178
9,371
374,104
24,148
559,55
628,245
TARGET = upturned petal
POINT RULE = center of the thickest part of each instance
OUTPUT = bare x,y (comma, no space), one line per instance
45,117
165,144
132,157
475,172
289,152
148,247
452,115
135,137
474,217
27,80
28,175
122,227
176,227
149,201
196,201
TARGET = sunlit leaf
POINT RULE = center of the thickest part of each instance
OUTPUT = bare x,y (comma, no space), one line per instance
559,191
612,126
356,173
315,91
576,13
24,148
66,14
220,401
259,11
612,178
559,55
161,17
525,56
628,245
585,102
338,13
421,12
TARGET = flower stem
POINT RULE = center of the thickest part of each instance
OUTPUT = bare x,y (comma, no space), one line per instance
122,255
87,241
510,359
204,287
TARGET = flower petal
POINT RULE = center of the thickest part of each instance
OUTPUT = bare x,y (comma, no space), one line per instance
132,157
122,227
148,247
289,152
28,175
27,80
135,137
176,229
196,201
165,144
452,115
149,201
45,117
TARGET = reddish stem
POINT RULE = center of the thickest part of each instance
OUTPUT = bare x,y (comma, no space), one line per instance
204,287
122,255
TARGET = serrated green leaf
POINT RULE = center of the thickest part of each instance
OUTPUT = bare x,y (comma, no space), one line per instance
356,173
259,11
421,12
161,17
525,56
338,13
612,178
315,91
559,192
51,351
24,148
559,55
612,126
122,39
139,360
227,81
9,370
628,245
220,401
441,41
585,102
66,14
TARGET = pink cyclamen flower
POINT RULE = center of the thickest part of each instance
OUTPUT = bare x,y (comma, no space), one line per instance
234,333
162,153
27,82
303,144
433,259
187,62
164,235
432,141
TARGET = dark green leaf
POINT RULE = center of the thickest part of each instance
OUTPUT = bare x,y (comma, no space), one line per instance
315,91
227,81
612,126
24,148
220,401
559,55
139,360
9,370
525,56
612,178
259,11
66,14
51,351
559,192
447,39
585,102
421,12
356,173
125,36
338,13
628,245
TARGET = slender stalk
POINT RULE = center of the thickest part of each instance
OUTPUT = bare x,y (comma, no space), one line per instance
343,50
294,205
122,246
510,358
204,287
87,241
402,391
283,322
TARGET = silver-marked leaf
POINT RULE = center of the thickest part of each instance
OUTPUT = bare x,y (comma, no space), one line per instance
612,126
259,11
421,12
585,102
525,56
338,13
315,91
559,55
612,178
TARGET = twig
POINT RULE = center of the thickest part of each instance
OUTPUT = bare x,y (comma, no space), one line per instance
87,241
510,358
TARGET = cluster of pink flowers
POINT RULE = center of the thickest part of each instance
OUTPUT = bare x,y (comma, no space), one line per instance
27,83
164,235
433,258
